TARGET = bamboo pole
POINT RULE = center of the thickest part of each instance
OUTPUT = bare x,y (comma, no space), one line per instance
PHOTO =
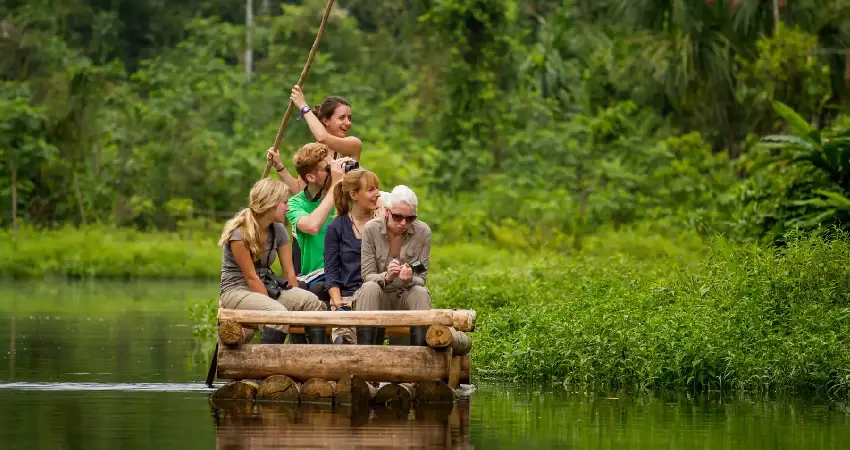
463,320
301,80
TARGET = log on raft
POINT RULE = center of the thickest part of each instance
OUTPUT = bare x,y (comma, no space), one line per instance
395,396
441,336
398,364
433,391
317,390
354,390
463,320
236,390
279,388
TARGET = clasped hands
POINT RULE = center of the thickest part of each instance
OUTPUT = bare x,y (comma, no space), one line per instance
397,270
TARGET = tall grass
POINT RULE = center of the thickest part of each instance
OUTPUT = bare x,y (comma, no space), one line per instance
744,318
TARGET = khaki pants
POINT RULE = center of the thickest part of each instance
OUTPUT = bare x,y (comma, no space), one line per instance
295,299
346,332
371,297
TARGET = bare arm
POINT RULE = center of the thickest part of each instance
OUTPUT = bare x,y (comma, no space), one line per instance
284,254
312,223
294,184
348,146
246,265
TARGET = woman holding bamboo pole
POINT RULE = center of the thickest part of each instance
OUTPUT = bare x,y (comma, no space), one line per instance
329,122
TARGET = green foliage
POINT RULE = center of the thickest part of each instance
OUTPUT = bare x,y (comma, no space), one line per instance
801,179
744,318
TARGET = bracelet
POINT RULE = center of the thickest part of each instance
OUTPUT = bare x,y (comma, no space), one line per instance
304,110
281,169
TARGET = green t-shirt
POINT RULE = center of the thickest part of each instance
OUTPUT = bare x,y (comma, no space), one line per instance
312,245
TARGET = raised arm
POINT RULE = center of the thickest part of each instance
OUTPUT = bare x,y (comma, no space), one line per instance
295,185
348,146
312,222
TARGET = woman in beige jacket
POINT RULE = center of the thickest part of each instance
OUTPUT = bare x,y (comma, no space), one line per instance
394,259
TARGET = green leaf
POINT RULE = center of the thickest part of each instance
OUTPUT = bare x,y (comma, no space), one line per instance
798,125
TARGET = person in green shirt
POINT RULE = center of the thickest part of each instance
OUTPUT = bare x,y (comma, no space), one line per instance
311,210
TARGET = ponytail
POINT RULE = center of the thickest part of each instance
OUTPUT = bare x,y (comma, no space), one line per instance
246,222
342,201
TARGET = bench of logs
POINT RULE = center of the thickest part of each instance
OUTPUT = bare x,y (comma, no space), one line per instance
345,373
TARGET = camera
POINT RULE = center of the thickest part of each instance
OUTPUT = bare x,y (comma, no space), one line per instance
350,165
418,267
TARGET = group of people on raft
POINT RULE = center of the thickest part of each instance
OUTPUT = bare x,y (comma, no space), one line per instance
355,247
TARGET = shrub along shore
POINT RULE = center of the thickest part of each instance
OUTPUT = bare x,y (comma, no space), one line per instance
632,310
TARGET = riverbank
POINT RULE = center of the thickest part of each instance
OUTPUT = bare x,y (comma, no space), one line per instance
633,309
729,318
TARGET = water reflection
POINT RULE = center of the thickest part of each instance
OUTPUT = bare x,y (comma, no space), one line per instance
244,425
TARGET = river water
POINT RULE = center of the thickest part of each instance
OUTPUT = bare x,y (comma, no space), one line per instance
114,366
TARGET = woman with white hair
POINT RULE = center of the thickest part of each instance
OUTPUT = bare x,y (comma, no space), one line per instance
394,260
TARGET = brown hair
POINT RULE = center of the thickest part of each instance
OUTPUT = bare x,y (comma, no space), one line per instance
352,182
308,157
265,195
327,108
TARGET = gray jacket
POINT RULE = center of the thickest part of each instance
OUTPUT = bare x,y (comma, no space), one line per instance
374,253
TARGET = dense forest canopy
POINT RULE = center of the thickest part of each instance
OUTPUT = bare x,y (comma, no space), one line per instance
514,119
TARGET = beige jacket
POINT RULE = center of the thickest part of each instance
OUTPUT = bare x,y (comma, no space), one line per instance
375,249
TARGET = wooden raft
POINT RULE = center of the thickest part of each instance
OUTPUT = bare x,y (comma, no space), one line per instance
345,374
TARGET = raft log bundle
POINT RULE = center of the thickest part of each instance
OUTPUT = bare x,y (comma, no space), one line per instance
444,361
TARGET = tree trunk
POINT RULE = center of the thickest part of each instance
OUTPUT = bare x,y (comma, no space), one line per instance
249,52
14,181
775,15
333,362
79,195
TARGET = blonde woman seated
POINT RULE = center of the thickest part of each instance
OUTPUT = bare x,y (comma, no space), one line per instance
395,255
249,243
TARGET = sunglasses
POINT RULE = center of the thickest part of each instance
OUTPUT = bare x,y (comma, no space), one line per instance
400,217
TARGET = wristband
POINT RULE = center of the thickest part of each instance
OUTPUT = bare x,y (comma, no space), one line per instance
304,110
281,169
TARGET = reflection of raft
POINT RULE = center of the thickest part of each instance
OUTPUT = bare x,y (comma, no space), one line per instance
241,425
338,374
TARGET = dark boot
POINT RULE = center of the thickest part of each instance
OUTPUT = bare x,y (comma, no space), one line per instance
417,336
316,335
272,336
299,338
365,335
379,336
